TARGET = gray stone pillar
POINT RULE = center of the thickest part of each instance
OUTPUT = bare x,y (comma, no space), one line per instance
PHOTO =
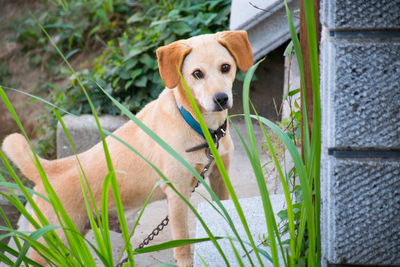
360,95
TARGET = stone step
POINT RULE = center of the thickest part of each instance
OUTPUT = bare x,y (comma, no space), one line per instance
253,212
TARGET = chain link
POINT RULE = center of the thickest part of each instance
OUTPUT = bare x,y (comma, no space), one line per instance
164,222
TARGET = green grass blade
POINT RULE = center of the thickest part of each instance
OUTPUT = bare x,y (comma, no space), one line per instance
52,239
8,224
315,150
299,56
256,164
104,217
35,235
15,253
202,260
305,186
9,185
21,208
238,258
5,259
301,230
261,251
173,244
286,192
249,155
274,224
316,130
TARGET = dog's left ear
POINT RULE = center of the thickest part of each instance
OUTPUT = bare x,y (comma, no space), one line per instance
170,59
239,47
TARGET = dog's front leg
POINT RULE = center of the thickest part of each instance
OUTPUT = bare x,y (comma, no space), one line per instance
216,182
178,213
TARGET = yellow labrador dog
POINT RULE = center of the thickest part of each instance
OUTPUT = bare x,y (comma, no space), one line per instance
208,64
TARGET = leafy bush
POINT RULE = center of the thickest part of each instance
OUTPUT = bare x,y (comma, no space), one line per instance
127,69
73,26
4,72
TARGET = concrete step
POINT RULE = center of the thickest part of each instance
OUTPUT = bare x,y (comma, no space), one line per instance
253,212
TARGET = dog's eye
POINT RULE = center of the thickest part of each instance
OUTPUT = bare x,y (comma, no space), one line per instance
225,68
198,74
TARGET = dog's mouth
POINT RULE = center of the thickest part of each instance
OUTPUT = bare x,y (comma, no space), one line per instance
221,108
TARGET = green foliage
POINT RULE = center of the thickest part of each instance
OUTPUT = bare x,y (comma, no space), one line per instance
4,72
301,217
73,27
128,68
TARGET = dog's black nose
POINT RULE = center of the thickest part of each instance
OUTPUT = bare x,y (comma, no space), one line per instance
221,99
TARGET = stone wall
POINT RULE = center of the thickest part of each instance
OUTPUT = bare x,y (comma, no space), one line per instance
360,95
84,132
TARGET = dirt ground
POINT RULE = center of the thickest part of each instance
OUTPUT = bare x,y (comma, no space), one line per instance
20,75
23,76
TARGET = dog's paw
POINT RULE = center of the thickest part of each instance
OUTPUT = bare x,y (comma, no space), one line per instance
183,256
185,261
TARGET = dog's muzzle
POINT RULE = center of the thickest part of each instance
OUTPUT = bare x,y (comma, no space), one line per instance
221,101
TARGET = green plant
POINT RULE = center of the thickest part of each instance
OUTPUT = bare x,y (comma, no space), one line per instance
74,26
291,125
4,72
301,218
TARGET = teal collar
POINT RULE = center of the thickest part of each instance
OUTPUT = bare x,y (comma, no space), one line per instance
191,121
215,134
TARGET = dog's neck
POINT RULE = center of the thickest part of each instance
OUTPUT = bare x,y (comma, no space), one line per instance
213,120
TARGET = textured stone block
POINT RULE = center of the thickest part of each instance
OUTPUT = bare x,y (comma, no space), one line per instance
253,211
360,93
83,132
360,14
360,216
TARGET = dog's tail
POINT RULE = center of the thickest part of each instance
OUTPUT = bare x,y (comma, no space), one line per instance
18,150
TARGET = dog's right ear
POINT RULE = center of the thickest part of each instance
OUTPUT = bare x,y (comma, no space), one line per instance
170,59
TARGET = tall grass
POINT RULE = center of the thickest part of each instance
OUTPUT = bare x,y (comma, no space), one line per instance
76,251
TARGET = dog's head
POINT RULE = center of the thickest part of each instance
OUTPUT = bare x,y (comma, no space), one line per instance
208,64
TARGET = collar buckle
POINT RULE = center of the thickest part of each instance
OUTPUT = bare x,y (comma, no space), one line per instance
216,135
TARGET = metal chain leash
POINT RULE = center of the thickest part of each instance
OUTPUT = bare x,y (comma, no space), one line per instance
210,158
165,222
